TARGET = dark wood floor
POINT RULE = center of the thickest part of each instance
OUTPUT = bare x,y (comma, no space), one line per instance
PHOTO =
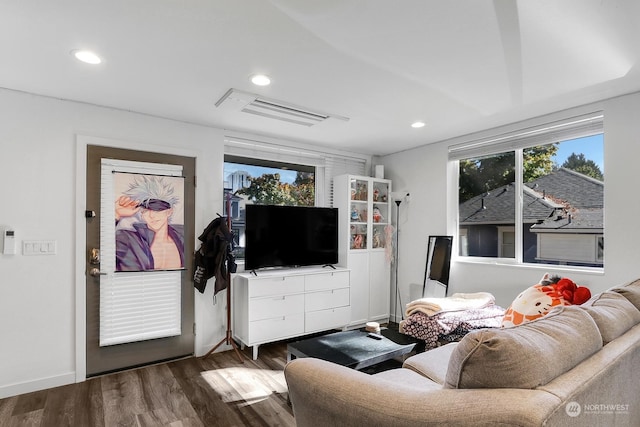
214,391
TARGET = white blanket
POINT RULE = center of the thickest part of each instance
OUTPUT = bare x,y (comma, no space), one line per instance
456,302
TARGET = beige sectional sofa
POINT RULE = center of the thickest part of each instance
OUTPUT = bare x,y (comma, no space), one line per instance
577,366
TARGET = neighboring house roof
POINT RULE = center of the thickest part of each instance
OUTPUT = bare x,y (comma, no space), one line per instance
583,220
563,200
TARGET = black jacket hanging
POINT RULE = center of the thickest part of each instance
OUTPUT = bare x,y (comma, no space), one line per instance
214,258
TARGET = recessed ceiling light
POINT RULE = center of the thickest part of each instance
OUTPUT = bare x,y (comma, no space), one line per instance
260,80
417,125
86,56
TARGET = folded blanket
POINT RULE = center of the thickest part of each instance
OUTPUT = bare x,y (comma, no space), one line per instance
456,302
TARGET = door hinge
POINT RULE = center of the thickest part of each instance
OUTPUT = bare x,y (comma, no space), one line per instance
194,328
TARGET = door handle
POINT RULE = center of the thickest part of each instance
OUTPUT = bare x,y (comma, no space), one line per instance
95,272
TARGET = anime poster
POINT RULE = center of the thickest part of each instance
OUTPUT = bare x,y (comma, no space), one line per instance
149,214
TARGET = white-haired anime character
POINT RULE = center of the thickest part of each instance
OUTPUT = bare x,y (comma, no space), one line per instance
148,241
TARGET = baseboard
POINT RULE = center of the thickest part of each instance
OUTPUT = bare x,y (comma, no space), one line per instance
395,318
36,385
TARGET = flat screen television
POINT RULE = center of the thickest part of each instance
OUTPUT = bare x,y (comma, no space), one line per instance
290,236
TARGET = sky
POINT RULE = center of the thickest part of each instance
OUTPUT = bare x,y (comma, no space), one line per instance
591,146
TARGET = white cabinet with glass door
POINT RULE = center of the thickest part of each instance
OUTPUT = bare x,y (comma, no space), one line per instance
364,217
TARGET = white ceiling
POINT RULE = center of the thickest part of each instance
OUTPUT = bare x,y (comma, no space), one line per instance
460,66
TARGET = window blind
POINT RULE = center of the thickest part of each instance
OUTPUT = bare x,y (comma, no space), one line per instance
571,128
266,151
339,166
134,306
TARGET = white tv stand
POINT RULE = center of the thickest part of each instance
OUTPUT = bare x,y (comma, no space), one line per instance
273,305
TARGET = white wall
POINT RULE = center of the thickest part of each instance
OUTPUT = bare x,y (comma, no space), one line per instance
38,192
423,171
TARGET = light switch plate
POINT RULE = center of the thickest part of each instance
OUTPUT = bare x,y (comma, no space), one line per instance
39,247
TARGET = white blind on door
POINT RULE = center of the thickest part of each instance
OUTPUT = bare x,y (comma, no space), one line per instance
134,306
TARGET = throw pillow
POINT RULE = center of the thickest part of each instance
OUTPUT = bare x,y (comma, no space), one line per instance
525,357
537,300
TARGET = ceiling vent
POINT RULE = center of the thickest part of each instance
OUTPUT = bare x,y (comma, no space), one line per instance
251,103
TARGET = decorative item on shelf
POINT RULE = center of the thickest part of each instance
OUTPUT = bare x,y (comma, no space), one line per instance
379,171
363,215
353,193
376,194
362,191
383,198
358,241
355,216
377,215
377,243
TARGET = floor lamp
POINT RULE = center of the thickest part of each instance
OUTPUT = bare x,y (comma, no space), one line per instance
395,304
228,339
398,197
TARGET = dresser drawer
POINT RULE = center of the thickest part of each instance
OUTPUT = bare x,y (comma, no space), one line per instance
331,280
276,285
276,328
272,306
323,320
322,300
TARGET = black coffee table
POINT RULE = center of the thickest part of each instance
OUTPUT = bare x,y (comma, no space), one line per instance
353,349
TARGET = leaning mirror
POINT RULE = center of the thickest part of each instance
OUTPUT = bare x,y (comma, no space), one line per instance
436,275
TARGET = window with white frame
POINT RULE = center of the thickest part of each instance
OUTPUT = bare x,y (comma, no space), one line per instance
534,196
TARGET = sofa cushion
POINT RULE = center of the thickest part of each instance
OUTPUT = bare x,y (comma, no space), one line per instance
432,364
630,291
613,313
408,378
524,356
